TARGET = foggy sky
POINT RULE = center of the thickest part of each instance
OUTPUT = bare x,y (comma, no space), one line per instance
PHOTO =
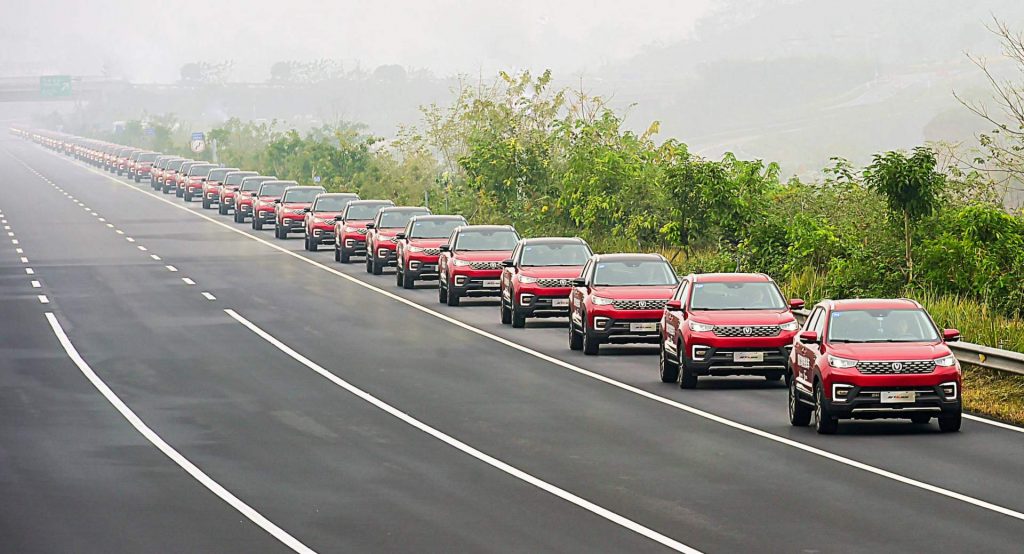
149,41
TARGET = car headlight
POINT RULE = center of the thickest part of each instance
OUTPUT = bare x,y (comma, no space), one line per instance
789,326
946,361
415,248
527,279
461,263
701,327
601,301
841,363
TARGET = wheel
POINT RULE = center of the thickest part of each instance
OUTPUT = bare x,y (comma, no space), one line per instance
950,423
137,179
187,195
337,255
399,281
442,293
282,233
575,339
799,412
776,376
518,318
369,263
206,203
314,244
377,267
238,217
687,376
178,192
920,419
453,298
408,282
257,223
667,369
222,209
506,313
591,346
343,257
824,422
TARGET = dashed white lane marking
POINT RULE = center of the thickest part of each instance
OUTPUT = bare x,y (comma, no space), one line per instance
111,225
36,284
118,231
103,219
168,450
43,299
142,248
14,241
94,214
209,296
171,268
29,271
24,260
129,239
19,250
10,234
188,281
155,257
7,227
465,448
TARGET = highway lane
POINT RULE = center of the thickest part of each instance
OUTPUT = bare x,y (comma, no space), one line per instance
682,475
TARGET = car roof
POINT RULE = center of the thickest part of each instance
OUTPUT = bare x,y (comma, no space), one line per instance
365,201
335,194
874,304
486,228
438,217
731,278
404,209
248,173
554,240
305,187
628,257
280,182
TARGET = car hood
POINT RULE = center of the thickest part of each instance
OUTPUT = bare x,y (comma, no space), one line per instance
743,317
653,292
484,255
552,272
887,351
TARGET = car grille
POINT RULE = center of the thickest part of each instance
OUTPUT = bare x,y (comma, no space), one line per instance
896,368
555,282
432,251
485,265
747,330
654,304
361,231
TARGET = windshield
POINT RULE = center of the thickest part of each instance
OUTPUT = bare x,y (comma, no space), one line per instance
175,165
273,189
200,170
881,326
254,184
497,239
398,218
218,174
435,228
332,203
147,157
571,253
736,296
634,273
363,211
235,178
301,195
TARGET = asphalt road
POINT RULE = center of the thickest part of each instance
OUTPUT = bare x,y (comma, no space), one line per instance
344,414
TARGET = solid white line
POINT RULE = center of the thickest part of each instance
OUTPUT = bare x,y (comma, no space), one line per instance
209,296
43,299
155,257
36,284
30,271
168,450
188,281
458,444
171,268
995,423
596,376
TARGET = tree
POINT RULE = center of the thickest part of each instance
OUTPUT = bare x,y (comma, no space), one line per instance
911,187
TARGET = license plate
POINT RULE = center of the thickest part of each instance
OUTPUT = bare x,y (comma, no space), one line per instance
748,356
492,284
643,327
559,302
898,396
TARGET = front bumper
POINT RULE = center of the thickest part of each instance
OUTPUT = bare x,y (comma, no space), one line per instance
866,403
323,235
388,254
626,328
292,224
737,360
421,269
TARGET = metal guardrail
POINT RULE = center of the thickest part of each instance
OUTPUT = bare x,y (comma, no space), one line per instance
970,353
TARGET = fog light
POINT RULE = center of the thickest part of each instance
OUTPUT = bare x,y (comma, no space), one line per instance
382,252
413,264
349,243
525,298
460,280
601,322
948,390
841,392
316,232
699,352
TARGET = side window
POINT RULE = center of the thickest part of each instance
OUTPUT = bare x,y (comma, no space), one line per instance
813,319
452,240
819,323
516,252
683,292
585,273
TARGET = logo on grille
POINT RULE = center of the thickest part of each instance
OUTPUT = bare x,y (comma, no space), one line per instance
643,303
747,330
897,366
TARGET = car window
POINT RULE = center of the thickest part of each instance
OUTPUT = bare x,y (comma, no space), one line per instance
398,218
555,254
733,295
434,228
490,239
634,273
899,325
819,322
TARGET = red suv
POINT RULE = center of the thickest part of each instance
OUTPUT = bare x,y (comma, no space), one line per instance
350,228
246,194
418,247
470,263
380,235
869,359
264,202
169,175
320,218
192,185
226,194
726,324
211,186
142,165
538,277
290,210
618,298
181,176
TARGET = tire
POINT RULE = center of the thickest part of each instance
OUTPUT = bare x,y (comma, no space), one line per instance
591,346
376,268
238,217
772,377
399,281
187,195
408,282
442,293
222,209
206,203
575,339
337,254
518,319
282,233
824,422
178,192
314,245
137,179
799,412
369,263
344,256
257,223
687,377
506,313
950,423
453,298
668,370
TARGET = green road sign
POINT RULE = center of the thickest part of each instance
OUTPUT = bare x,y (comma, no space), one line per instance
55,85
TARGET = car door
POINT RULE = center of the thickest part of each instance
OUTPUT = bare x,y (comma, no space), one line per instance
509,273
442,261
807,353
672,321
579,294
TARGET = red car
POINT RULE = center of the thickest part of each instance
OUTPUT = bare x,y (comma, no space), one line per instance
350,228
141,166
211,186
264,202
471,261
226,193
245,195
180,176
192,185
870,359
156,174
290,209
418,247
380,235
538,277
726,324
321,216
619,299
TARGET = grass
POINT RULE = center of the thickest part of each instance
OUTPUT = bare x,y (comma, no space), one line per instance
995,394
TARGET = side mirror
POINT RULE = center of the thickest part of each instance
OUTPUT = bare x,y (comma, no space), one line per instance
950,335
809,337
508,262
796,304
339,218
278,201
579,282
370,225
307,210
445,248
399,236
674,305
